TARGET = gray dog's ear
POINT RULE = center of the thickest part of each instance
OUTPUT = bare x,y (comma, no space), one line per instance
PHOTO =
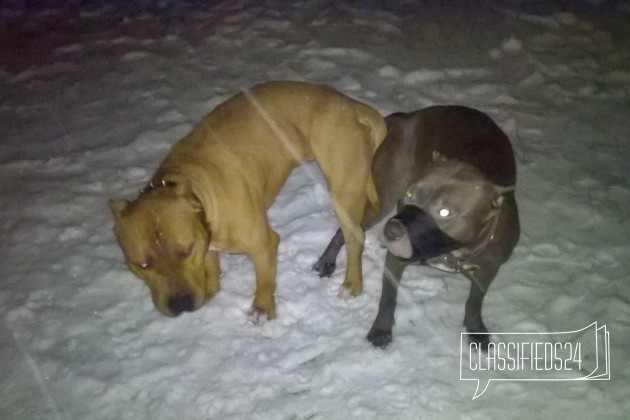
118,206
438,157
499,195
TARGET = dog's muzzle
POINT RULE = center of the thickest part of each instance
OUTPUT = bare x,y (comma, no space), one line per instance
413,235
182,302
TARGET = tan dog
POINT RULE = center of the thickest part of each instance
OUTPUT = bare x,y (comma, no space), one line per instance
212,191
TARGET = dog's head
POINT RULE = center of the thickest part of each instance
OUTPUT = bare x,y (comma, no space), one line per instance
451,206
165,241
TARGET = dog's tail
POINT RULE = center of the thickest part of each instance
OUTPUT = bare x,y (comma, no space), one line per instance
375,124
372,195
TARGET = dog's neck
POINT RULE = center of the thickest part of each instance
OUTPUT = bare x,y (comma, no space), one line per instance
162,181
459,260
485,237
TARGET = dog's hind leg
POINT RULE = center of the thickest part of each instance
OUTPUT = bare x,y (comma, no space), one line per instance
354,238
346,164
327,262
347,188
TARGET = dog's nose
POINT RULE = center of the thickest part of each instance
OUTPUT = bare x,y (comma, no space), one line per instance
394,229
181,303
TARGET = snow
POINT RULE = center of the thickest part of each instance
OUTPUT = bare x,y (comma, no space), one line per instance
94,93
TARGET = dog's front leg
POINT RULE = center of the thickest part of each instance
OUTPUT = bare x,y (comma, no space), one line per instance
213,272
325,265
481,275
265,259
380,334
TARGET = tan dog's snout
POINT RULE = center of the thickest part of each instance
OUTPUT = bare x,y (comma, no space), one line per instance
181,302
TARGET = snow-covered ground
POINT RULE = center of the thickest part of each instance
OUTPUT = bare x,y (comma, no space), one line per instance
92,95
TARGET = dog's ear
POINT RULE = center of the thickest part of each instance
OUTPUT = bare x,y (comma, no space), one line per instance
194,202
438,157
183,188
118,206
499,195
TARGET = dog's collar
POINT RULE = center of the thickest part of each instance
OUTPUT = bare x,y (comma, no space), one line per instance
155,184
487,234
459,259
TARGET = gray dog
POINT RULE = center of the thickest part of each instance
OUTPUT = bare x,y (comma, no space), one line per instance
452,172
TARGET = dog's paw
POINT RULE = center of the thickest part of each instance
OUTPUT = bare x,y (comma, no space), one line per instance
380,338
259,316
351,289
324,267
345,294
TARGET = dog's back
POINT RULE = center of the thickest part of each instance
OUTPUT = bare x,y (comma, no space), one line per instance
461,133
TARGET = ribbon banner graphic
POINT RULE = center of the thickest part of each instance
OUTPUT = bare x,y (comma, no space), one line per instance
553,356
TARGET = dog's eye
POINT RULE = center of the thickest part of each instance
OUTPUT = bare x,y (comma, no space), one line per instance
144,265
444,212
186,253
